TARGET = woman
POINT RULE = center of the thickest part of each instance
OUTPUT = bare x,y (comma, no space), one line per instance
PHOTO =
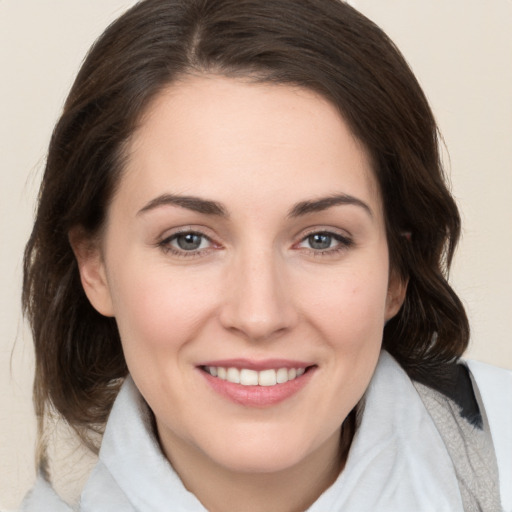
239,261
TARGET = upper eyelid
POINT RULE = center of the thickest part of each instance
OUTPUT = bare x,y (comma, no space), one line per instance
179,233
333,234
323,229
343,240
198,230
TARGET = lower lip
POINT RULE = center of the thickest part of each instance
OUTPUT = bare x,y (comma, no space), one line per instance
258,396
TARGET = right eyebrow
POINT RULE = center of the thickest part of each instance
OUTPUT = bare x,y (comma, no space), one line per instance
324,203
193,203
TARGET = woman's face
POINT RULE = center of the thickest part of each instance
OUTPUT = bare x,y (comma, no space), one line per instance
246,241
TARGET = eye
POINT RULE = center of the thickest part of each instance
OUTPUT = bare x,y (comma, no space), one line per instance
320,241
325,241
186,242
189,241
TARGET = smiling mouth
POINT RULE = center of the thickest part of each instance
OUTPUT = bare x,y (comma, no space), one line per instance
249,377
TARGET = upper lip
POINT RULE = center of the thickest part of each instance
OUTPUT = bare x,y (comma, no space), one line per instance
258,365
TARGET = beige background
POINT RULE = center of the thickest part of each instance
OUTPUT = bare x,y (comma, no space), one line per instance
461,51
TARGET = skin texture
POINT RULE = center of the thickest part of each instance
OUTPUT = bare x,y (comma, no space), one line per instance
255,288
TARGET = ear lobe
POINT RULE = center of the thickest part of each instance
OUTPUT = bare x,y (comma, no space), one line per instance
92,270
397,290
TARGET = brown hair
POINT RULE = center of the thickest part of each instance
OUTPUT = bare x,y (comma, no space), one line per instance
322,45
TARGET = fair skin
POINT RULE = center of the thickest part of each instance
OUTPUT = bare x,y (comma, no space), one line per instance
224,247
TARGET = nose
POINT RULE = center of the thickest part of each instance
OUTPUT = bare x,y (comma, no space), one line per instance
258,298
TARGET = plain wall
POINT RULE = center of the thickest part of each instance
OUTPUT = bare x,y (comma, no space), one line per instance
461,51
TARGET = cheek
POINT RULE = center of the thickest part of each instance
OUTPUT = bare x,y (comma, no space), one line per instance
349,316
159,311
350,302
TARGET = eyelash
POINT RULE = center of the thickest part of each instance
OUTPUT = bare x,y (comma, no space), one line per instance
166,247
343,244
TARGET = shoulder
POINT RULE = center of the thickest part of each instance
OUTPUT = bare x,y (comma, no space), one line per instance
478,396
493,387
42,498
491,378
493,390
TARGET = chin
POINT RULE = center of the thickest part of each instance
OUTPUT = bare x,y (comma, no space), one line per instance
264,451
261,461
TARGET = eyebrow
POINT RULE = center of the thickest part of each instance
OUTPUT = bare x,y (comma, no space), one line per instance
323,203
195,204
209,207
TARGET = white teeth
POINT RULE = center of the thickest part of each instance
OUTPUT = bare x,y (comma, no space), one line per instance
233,375
282,375
267,378
248,377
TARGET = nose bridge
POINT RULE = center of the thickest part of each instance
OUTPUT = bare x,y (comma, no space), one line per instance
258,302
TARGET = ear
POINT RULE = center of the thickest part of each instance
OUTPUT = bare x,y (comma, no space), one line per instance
397,289
92,270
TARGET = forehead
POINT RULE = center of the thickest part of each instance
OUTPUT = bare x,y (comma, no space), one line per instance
211,135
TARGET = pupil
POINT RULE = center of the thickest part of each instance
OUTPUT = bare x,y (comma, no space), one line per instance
189,242
320,241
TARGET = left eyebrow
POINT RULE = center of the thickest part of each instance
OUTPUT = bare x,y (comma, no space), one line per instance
323,203
193,203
